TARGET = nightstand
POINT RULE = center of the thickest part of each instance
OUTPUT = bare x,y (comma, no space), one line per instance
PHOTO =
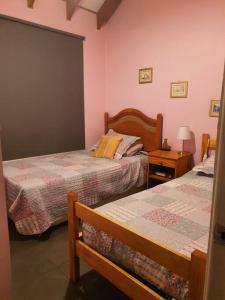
167,165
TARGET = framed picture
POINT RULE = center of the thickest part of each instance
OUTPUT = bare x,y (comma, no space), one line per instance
214,108
179,89
145,75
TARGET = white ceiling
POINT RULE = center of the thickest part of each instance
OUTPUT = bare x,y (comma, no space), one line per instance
93,5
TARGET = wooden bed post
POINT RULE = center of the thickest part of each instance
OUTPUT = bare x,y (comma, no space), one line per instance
73,236
197,275
106,119
160,127
205,145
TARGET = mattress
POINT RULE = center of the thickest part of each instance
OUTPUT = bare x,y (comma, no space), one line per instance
37,187
175,214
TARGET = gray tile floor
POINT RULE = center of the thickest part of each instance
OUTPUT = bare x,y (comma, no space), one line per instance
40,268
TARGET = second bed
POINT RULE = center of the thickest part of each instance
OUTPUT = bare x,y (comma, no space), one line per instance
160,235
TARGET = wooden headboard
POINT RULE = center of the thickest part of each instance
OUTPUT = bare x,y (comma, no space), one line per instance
207,145
133,122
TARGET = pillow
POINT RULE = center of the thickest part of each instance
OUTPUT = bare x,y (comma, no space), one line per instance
207,166
134,149
127,141
107,146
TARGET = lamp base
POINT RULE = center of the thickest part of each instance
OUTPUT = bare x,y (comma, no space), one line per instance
181,153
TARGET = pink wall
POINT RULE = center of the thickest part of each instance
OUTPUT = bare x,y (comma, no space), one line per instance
181,40
53,13
4,242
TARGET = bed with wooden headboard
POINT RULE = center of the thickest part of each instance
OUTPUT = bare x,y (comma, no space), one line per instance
37,186
171,248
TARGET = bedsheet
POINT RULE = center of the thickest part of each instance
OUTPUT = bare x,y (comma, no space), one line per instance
37,187
176,214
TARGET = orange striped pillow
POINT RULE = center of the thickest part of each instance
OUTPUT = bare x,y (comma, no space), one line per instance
107,146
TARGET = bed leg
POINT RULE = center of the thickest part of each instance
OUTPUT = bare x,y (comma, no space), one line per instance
73,235
197,275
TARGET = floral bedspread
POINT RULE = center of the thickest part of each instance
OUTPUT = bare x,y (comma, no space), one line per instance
176,214
37,187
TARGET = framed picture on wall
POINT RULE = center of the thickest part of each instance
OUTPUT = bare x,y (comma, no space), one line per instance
145,75
214,108
179,89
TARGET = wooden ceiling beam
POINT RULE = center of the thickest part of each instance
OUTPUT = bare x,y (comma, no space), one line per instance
106,11
30,3
71,6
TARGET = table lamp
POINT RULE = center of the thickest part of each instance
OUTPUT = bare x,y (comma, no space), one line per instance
183,134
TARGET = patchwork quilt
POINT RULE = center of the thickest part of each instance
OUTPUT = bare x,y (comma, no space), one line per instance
176,214
37,187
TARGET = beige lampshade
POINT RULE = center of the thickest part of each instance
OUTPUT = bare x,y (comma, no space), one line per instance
184,133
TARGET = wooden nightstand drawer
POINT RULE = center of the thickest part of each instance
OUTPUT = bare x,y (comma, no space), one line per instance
162,162
167,165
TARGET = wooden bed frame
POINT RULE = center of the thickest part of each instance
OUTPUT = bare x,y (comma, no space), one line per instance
133,122
207,145
192,269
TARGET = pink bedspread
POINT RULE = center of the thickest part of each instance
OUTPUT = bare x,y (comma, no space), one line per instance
175,214
37,187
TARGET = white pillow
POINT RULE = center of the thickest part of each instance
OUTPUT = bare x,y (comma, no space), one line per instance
207,166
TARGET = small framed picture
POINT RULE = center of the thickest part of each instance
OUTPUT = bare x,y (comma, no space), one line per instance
214,108
179,89
145,75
